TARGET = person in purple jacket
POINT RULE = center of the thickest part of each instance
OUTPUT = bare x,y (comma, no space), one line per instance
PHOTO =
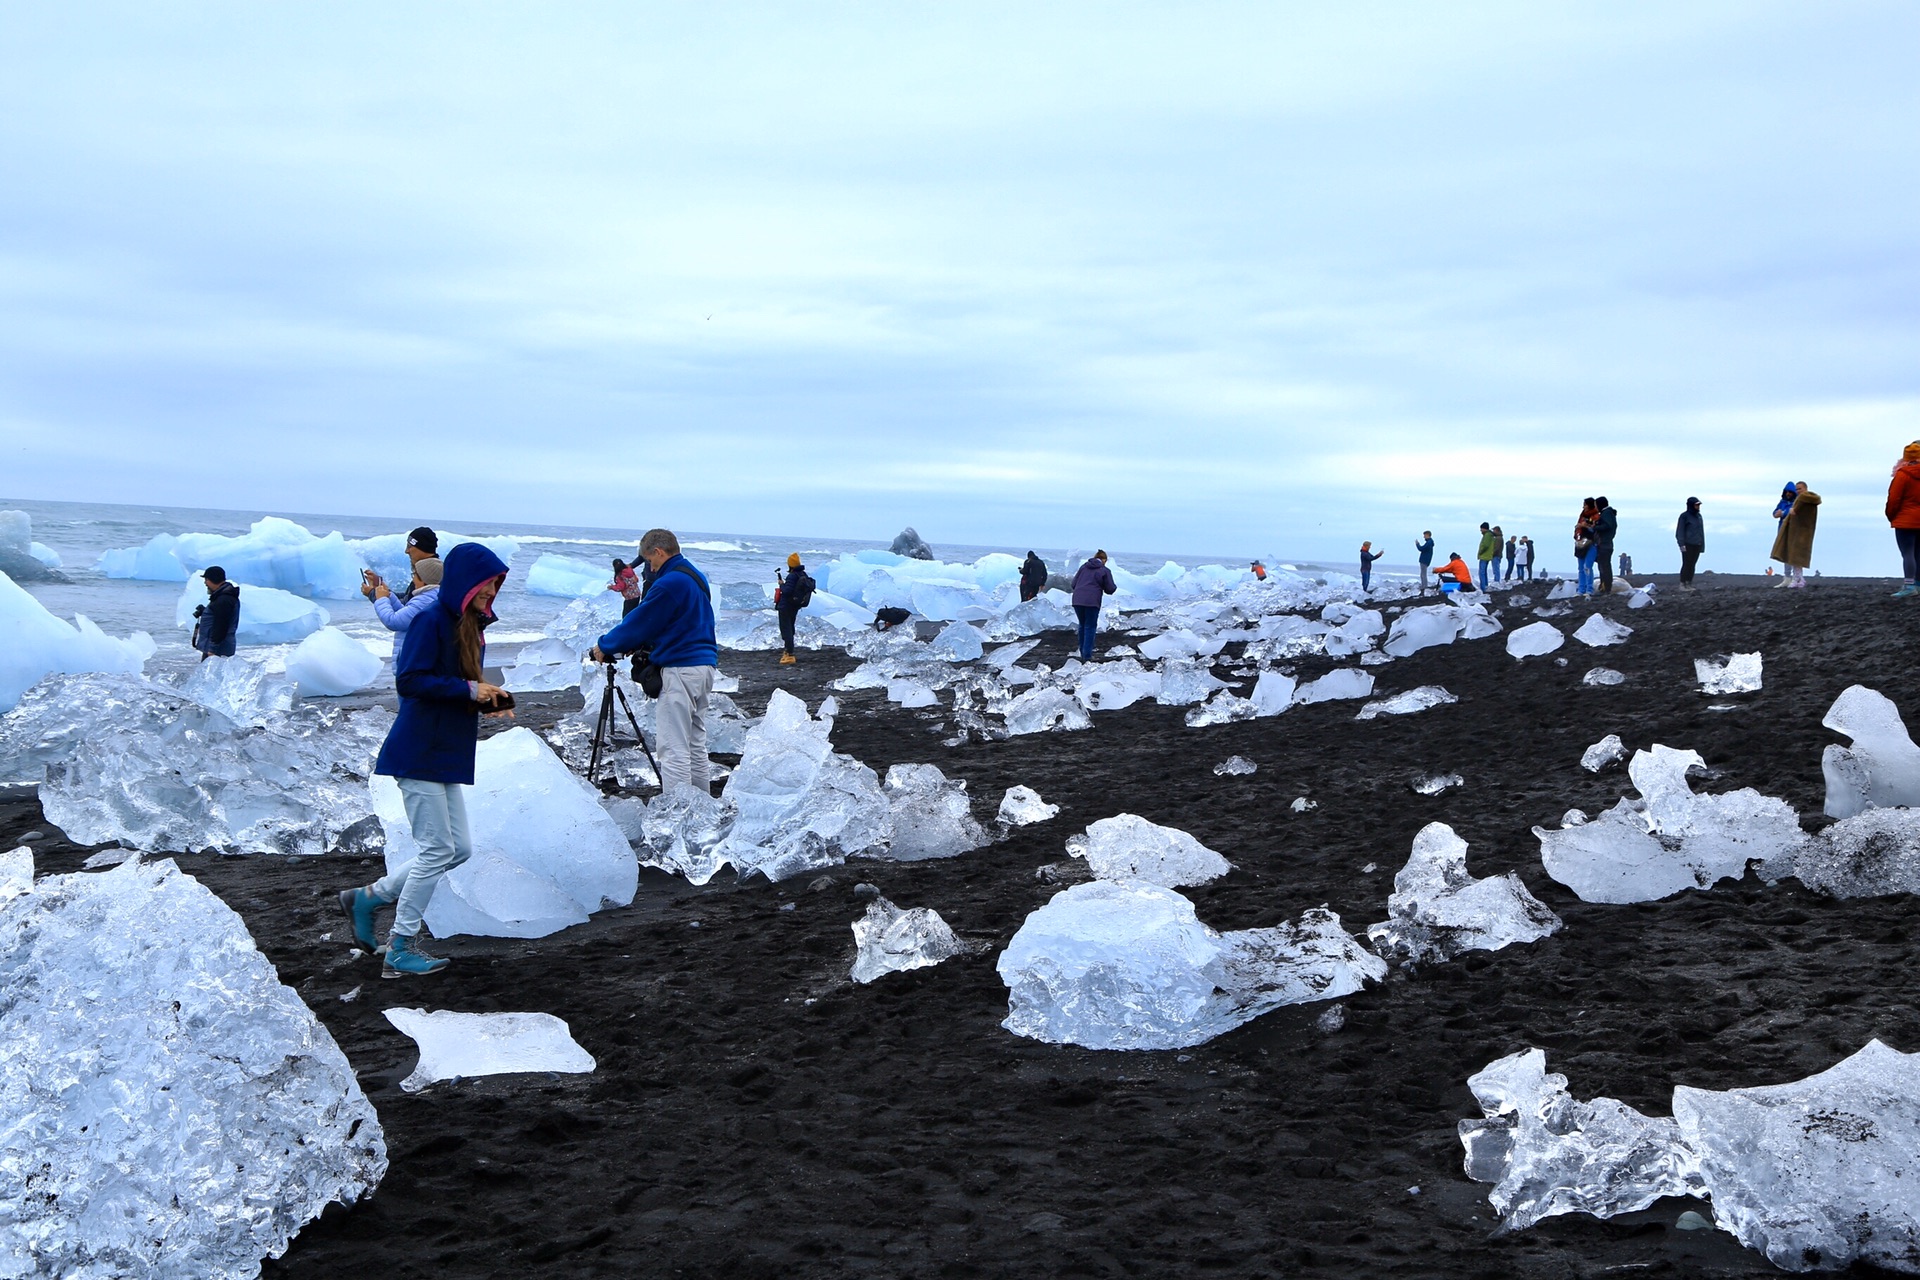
1093,581
396,613
430,751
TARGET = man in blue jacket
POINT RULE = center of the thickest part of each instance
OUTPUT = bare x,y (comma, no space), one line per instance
674,620
1425,548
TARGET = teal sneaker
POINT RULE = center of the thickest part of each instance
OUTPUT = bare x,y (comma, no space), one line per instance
1907,592
405,959
358,906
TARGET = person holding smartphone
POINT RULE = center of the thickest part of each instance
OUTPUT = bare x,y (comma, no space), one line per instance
430,750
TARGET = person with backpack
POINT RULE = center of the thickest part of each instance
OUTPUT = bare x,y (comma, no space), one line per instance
793,593
674,624
1367,556
627,583
217,633
1091,584
1033,576
429,751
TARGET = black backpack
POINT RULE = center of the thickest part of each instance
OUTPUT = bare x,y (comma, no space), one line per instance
797,591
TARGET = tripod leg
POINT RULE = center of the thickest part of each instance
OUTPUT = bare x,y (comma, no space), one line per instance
601,728
641,737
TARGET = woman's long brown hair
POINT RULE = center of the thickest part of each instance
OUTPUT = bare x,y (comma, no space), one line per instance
468,637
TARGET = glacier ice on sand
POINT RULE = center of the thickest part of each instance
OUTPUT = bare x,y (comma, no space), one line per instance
35,644
458,1046
798,804
891,940
565,577
931,815
1869,855
1128,847
1534,640
1022,806
1881,769
1424,698
1732,673
1438,910
1599,630
1339,684
331,664
1234,767
1608,751
171,1109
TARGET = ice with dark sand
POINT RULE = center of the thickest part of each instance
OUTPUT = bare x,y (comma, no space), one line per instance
754,1112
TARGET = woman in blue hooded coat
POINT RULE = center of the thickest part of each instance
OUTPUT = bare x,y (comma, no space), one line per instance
430,750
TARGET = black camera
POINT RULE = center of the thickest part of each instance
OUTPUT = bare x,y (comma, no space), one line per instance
199,611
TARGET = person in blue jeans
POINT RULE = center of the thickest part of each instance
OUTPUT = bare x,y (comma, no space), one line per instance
430,751
1093,582
1425,548
1367,556
1489,551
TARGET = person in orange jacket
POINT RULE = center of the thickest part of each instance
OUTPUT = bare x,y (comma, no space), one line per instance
1903,513
1456,569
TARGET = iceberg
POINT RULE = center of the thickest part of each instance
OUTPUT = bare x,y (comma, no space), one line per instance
1882,767
1128,847
911,545
565,577
459,1046
331,664
931,815
1608,751
21,558
1406,704
34,644
154,562
893,941
1045,711
1733,673
1339,684
1234,767
1438,910
545,853
1022,807
1128,965
1671,840
799,805
1599,630
1602,676
171,1109
1534,640
277,553
267,615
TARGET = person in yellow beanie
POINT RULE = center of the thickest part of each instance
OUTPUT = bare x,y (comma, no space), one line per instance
794,593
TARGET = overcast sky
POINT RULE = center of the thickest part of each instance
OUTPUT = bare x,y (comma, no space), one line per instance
1264,278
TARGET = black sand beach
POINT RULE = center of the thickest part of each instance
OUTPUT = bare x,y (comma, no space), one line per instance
756,1114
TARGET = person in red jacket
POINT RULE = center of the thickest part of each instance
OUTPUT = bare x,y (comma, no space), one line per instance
1903,513
1455,569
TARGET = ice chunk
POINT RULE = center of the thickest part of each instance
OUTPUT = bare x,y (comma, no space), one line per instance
911,693
1868,855
16,873
1731,673
1273,693
1642,597
1609,750
911,545
267,615
246,688
1128,965
1563,591
562,576
892,941
1405,704
459,1046
580,625
331,664
798,804
1303,805
546,854
1234,767
1128,847
1045,710
1437,910
278,554
1031,617
1007,654
171,1109
1603,676
1475,622
1882,767
1340,683
1022,806
1673,840
1356,634
542,666
957,642
1224,708
154,562
1423,628
682,831
931,816
1433,784
1534,640
35,644
1600,630
1185,681
743,595
1109,686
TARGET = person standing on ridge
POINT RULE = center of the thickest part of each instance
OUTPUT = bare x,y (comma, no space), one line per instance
675,623
1093,582
1489,550
217,633
1903,513
1033,576
1691,535
1606,525
397,612
429,751
627,583
1793,544
1525,560
1367,557
1780,510
1583,545
794,593
1513,549
1425,548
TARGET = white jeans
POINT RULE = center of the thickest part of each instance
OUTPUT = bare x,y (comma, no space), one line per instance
437,816
681,726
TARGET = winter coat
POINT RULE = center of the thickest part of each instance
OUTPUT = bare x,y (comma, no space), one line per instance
433,737
1691,531
1368,557
1489,546
1793,545
1903,497
795,591
627,583
674,619
1426,552
1524,554
1513,548
219,631
1033,576
1605,526
1093,581
396,613
1456,569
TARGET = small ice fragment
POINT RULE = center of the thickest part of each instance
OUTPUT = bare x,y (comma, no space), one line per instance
1224,708
1600,630
1369,869
16,872
1691,1221
1234,767
1128,847
1432,784
1438,910
463,1045
1882,768
1301,804
348,997
1022,806
108,858
1404,704
787,906
1340,683
1730,673
1574,818
1609,750
911,693
1603,676
892,940
1334,1018
1535,640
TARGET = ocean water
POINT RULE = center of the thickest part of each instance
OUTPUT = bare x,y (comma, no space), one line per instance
81,532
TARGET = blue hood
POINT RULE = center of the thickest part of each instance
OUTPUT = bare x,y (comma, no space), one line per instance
464,568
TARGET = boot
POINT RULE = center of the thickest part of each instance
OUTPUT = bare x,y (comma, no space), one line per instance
787,659
406,959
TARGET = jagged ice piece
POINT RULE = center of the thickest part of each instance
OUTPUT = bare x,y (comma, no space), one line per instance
1022,806
891,940
1438,910
458,1046
1882,767
1128,847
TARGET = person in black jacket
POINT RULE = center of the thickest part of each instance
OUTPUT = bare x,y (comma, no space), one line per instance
794,593
1691,533
1033,576
217,633
1605,526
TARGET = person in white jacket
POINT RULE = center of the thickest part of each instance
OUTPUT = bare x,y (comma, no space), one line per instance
396,613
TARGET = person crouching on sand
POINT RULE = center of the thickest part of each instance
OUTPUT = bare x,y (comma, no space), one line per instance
1793,544
1093,581
430,751
1454,575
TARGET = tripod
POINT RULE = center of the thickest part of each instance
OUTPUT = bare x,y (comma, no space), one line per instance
604,727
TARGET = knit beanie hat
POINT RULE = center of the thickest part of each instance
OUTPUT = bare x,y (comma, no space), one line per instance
1911,453
428,571
793,560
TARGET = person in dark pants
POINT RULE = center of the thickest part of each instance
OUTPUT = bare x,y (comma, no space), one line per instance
217,633
627,583
1033,576
1691,533
1489,552
1513,549
1367,556
1605,526
1093,582
1425,548
794,593
1903,513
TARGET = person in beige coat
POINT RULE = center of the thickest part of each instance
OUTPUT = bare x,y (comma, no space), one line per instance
1793,544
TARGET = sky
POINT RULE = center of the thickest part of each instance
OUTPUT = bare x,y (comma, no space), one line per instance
1242,279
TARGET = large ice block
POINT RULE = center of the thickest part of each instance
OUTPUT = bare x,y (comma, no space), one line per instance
277,553
1185,681
1128,847
1423,698
565,577
171,1109
1733,673
798,804
1272,693
580,625
957,642
267,615
542,666
34,644
1128,965
331,664
1599,630
250,688
1882,767
891,940
1422,628
546,854
931,815
154,562
682,832
1535,640
1438,910
458,1046
1109,686
1669,841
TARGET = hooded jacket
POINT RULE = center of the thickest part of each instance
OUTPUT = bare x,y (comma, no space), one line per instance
1691,531
1605,526
1489,545
674,619
1426,552
433,737
1793,544
1033,576
796,591
219,630
1092,581
1903,496
396,613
